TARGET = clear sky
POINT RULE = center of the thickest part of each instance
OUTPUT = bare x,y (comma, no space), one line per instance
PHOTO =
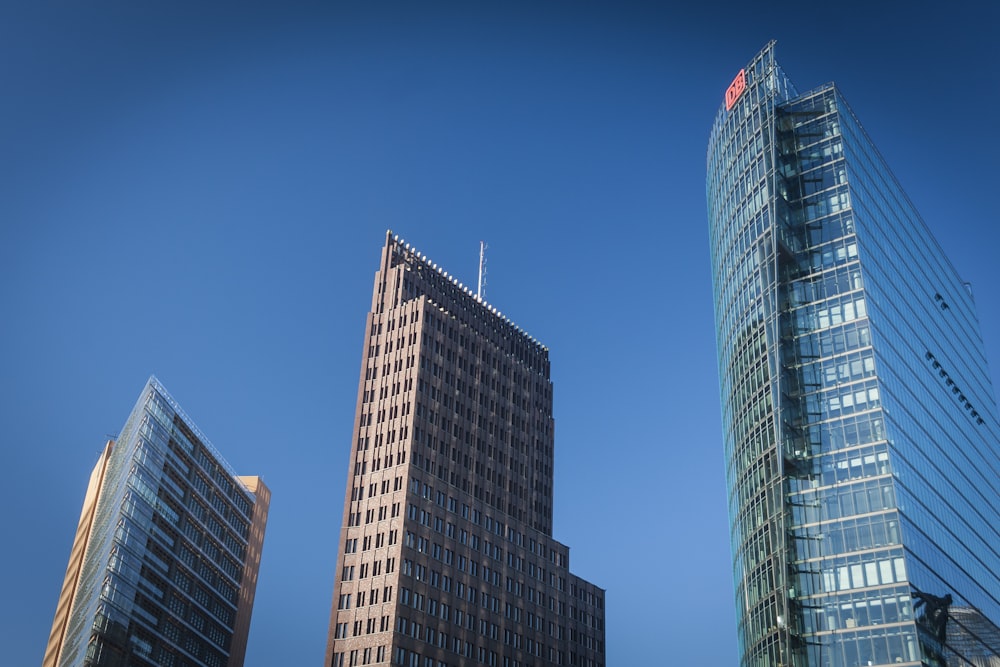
201,193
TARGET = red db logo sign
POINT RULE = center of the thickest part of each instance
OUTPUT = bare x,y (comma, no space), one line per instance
736,89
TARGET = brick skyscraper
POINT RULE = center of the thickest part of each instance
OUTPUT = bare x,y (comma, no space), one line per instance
446,550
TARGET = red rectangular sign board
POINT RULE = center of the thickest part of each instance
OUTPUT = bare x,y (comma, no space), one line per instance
736,89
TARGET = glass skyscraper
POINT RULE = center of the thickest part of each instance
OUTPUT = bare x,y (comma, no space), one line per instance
860,424
164,565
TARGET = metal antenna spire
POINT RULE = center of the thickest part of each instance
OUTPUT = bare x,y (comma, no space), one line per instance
481,289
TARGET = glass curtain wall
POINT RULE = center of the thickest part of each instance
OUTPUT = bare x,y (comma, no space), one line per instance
859,421
741,172
162,573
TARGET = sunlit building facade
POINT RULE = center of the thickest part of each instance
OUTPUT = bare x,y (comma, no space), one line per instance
163,569
859,419
446,551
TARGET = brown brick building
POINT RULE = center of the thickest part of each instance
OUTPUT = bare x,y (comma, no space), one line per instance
446,550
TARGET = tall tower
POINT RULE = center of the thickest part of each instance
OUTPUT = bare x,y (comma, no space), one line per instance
446,549
860,423
163,568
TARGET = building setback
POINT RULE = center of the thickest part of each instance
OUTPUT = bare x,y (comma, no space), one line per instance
446,550
859,419
164,564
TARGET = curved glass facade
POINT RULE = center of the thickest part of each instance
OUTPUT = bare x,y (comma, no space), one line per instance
859,423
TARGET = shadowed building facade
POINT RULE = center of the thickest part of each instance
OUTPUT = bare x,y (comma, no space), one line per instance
446,549
859,418
163,568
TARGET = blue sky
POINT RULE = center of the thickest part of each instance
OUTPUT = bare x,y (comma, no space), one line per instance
201,192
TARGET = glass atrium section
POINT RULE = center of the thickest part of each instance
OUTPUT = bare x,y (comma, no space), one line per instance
859,421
